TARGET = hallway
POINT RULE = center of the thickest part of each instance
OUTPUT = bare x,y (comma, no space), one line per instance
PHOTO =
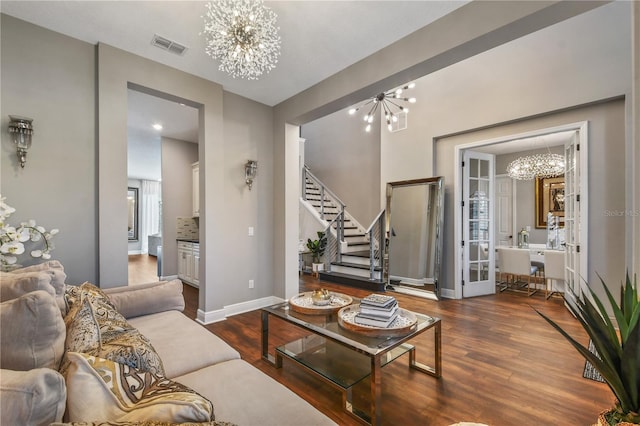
142,269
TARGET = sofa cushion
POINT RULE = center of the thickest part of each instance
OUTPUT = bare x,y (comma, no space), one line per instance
254,400
99,389
145,299
53,267
96,328
34,397
183,344
13,285
49,264
32,332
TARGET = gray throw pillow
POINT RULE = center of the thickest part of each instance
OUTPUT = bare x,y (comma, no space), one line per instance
32,332
34,397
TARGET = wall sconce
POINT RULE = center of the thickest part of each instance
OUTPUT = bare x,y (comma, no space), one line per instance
250,170
21,130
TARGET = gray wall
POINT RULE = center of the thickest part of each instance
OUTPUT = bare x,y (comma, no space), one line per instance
525,205
347,159
535,75
177,157
248,135
51,78
525,79
473,31
606,179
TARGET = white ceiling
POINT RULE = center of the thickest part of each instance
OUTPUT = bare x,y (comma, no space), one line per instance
319,38
178,121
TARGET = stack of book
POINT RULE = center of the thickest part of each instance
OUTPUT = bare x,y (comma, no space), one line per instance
377,310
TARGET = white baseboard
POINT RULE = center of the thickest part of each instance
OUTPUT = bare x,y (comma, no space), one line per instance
251,305
447,293
169,278
235,309
134,252
210,317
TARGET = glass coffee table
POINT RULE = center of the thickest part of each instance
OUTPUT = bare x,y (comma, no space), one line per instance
345,357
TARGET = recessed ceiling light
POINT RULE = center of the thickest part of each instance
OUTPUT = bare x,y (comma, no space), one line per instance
157,126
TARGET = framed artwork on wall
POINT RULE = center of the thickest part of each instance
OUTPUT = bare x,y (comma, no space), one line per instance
132,210
549,198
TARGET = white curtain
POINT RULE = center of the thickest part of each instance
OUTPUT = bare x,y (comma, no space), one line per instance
150,217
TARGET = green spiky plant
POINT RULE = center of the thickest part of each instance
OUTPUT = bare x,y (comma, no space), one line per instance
619,361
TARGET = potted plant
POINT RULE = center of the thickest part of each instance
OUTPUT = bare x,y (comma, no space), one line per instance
317,247
619,350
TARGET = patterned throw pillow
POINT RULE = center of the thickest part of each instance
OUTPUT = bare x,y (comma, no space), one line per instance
74,294
95,327
101,389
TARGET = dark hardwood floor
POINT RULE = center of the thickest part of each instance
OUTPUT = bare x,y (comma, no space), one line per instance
502,364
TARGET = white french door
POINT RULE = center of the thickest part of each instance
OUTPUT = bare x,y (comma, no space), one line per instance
478,175
574,216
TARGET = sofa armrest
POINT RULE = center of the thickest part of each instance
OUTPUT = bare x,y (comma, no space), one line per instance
145,299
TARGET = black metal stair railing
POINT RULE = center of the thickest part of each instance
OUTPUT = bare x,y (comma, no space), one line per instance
331,209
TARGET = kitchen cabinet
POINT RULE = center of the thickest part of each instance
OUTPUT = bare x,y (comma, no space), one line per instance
189,262
195,175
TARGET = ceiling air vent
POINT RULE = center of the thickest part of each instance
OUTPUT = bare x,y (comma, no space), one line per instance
166,44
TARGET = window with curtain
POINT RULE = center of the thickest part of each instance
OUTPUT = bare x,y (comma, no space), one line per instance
151,200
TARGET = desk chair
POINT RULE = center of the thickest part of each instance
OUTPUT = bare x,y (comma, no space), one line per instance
553,270
516,263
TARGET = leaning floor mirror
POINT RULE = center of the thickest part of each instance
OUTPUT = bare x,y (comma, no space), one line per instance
414,231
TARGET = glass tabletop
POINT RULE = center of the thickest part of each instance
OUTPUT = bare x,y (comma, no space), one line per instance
328,326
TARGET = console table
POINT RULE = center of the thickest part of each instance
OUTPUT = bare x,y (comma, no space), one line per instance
343,358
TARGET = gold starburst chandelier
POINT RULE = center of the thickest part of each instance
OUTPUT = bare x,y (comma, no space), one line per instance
243,36
389,103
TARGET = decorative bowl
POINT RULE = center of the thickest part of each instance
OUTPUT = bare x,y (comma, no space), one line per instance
321,297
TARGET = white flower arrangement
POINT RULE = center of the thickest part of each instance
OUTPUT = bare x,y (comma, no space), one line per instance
12,239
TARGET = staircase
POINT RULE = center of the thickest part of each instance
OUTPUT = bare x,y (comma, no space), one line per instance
350,247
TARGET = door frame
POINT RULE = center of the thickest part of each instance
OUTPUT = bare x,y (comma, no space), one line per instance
582,129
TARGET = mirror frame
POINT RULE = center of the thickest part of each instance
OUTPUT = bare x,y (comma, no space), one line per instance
437,182
132,194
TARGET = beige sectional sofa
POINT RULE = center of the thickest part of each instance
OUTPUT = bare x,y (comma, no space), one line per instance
177,372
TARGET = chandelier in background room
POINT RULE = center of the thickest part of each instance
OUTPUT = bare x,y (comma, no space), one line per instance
534,166
243,36
388,103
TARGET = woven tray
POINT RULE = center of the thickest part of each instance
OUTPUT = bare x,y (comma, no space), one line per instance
403,324
302,303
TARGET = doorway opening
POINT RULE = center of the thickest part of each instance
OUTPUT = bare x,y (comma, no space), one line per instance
509,206
153,123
